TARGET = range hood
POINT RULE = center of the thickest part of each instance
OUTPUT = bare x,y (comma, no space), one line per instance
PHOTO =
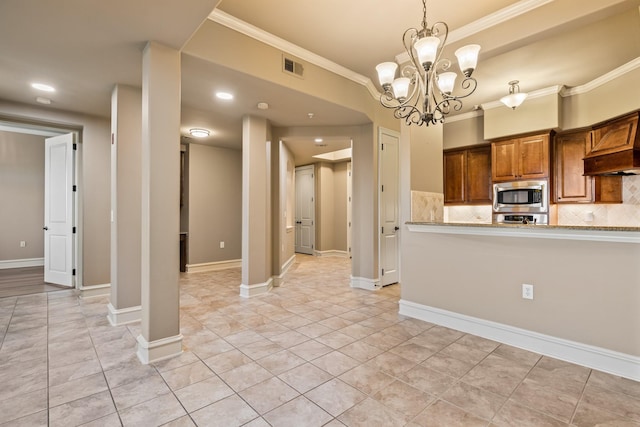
615,148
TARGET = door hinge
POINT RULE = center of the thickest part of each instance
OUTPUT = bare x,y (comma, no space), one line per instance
75,146
73,230
382,147
74,188
383,271
73,272
382,230
382,188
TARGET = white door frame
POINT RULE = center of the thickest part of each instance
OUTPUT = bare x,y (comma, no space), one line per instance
33,126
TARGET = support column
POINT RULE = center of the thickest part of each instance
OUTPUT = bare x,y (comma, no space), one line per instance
160,336
256,207
126,134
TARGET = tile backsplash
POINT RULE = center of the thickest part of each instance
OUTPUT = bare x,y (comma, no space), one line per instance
626,214
427,207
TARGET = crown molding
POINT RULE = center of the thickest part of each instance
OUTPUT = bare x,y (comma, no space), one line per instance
496,18
606,78
256,33
465,116
552,90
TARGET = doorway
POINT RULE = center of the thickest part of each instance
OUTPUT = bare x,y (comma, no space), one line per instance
58,188
388,206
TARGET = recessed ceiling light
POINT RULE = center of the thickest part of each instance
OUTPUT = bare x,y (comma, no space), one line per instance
43,87
224,95
318,140
263,106
43,100
199,133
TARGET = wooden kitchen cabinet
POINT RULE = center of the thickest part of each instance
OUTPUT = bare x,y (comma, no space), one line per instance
571,186
520,158
467,176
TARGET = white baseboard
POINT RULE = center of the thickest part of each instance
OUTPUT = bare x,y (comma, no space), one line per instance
95,290
21,263
336,253
278,280
214,266
124,316
155,351
248,291
598,358
364,283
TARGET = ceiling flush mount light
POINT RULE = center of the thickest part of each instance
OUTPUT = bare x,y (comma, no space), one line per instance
43,100
43,87
263,106
426,79
199,133
224,95
515,97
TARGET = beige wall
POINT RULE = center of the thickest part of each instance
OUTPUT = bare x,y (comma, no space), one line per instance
21,196
583,291
462,133
426,157
215,204
324,207
534,114
94,180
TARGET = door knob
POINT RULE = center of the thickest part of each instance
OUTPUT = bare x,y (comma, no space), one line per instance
45,228
396,228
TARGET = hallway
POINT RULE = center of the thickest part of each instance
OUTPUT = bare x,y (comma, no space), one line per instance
312,352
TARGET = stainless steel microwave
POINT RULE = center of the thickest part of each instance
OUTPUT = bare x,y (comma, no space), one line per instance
521,197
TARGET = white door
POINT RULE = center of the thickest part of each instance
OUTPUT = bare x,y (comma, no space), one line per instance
305,210
389,212
58,210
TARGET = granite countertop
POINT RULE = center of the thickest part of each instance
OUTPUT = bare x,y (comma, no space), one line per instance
529,226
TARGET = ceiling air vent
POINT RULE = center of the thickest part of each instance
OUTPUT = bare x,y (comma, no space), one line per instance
292,67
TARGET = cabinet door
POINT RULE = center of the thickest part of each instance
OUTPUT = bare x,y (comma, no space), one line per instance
504,160
454,168
534,157
478,188
571,185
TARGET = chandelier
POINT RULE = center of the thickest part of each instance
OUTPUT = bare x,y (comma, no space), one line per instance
423,94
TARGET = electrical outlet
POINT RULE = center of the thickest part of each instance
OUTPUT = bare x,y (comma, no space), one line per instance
527,291
221,245
23,244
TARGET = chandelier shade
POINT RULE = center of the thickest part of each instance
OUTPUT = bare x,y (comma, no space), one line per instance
425,92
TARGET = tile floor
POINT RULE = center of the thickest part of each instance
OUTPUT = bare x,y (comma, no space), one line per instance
313,352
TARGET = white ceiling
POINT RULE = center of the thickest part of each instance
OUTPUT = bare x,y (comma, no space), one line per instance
84,47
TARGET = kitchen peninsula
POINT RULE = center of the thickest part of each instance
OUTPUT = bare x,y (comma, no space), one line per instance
585,280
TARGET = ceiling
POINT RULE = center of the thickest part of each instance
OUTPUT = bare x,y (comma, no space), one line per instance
84,47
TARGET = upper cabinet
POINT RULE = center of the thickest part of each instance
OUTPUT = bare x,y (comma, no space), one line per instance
615,146
467,175
571,185
520,158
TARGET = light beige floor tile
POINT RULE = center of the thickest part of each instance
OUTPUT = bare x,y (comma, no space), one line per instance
226,361
289,339
440,414
298,412
111,420
259,349
335,396
335,363
156,411
497,375
229,412
187,375
361,351
76,389
588,415
185,358
367,379
310,350
613,383
82,411
513,414
181,422
68,373
371,413
427,380
39,419
269,394
479,402
305,377
448,365
22,405
613,401
245,376
280,362
546,399
203,393
403,399
391,363
211,348
133,393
